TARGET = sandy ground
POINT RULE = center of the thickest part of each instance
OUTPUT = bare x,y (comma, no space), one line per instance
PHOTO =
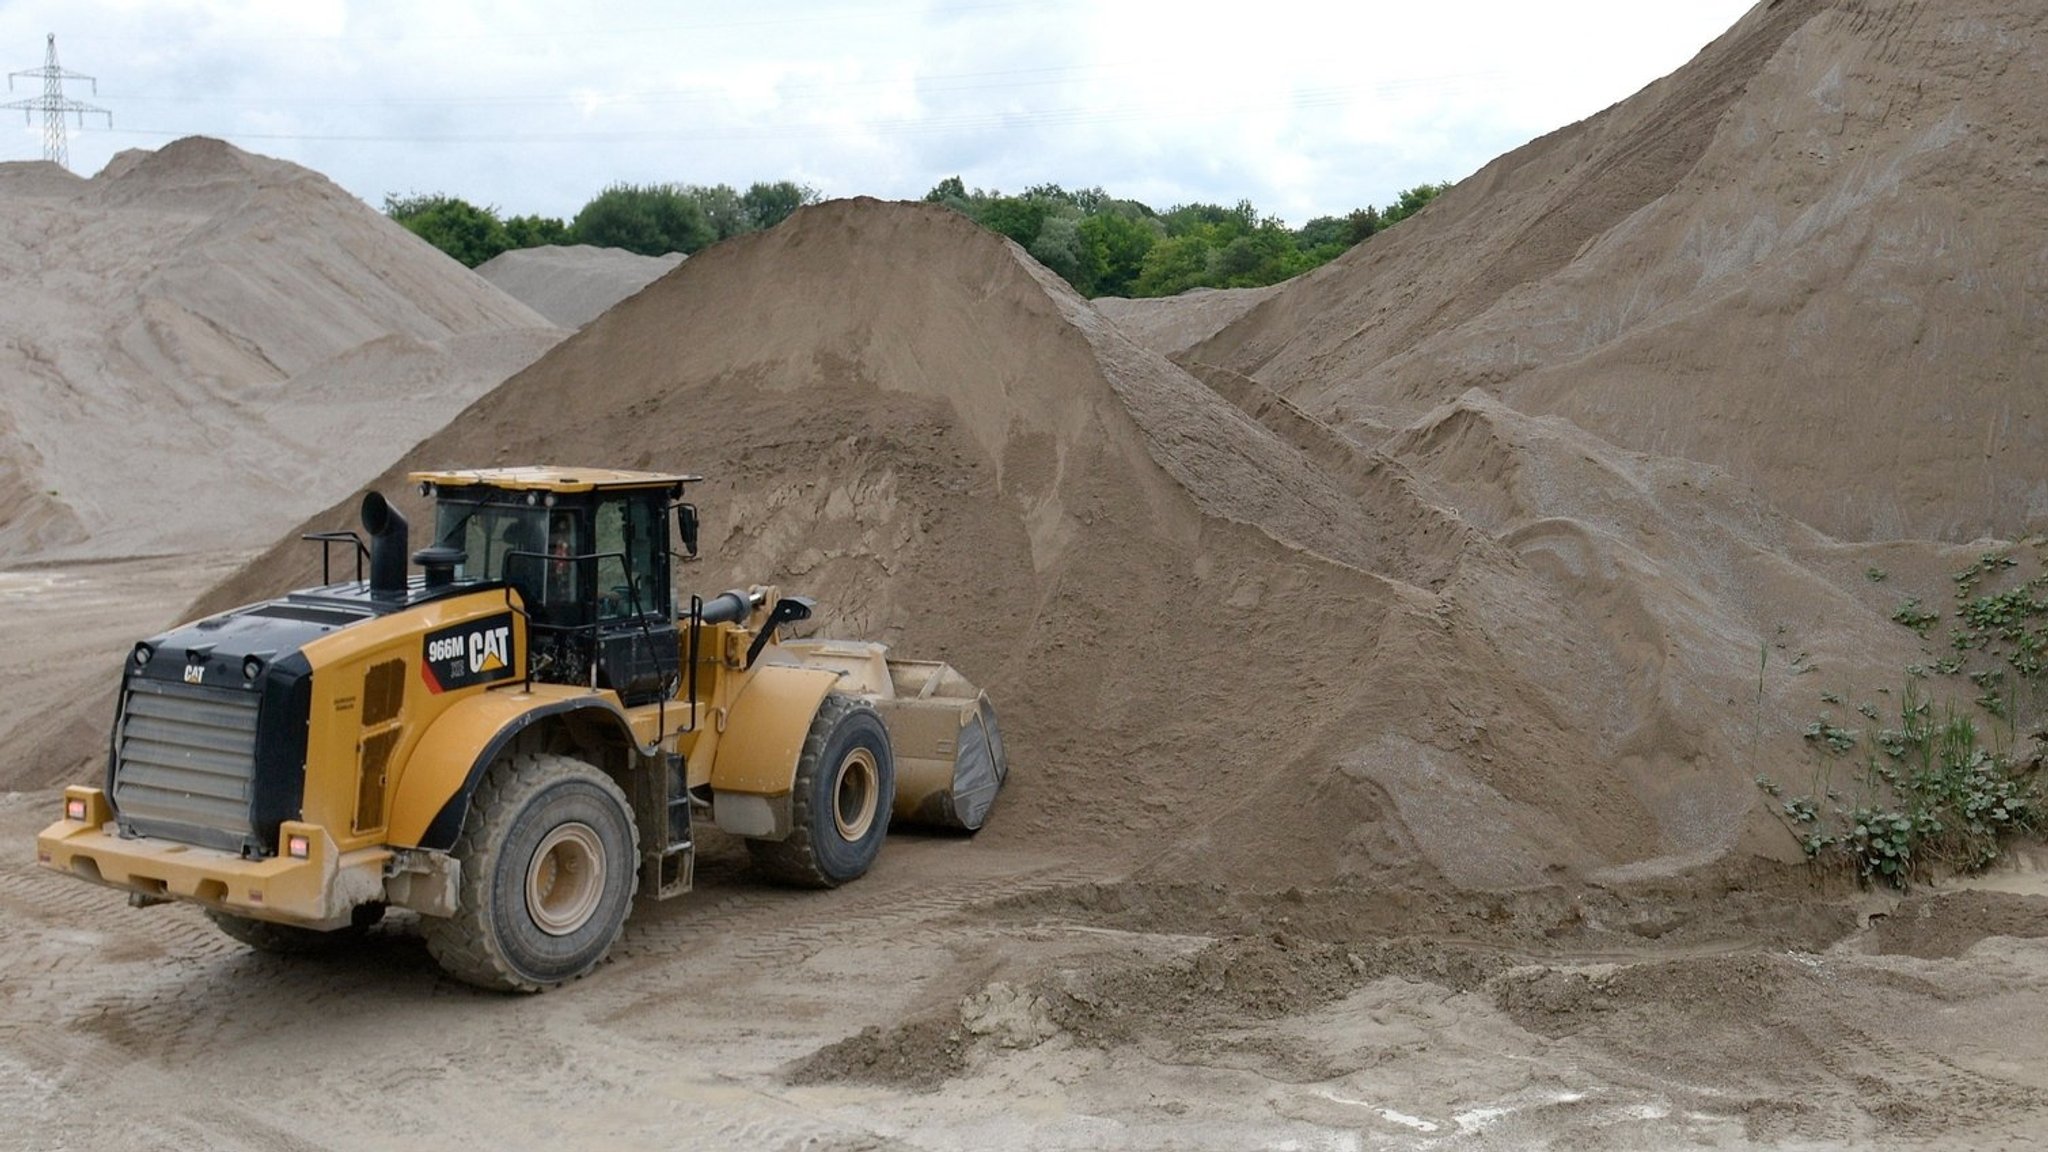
1040,1015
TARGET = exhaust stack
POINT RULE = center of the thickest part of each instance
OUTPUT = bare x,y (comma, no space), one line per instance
388,543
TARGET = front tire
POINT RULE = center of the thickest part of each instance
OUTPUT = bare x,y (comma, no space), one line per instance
549,860
839,805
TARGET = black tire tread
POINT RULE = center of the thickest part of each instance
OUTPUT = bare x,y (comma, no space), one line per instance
793,861
461,944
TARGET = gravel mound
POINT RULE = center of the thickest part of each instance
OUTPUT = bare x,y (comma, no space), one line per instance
573,284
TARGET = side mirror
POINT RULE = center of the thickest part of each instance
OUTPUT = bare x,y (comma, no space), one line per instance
686,527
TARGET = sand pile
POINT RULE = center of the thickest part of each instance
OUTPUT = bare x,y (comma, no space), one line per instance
38,178
1341,616
1172,324
165,324
1815,256
1498,652
572,284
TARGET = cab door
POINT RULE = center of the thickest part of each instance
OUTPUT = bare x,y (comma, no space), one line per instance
638,656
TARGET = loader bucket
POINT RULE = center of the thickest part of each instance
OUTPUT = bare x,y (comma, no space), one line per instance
949,760
948,748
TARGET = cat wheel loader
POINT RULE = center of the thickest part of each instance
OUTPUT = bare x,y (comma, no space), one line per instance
514,740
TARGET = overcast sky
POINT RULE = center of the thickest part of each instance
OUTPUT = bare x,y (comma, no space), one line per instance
1304,108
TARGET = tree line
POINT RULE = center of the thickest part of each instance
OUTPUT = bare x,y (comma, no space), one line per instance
1104,246
1101,245
651,219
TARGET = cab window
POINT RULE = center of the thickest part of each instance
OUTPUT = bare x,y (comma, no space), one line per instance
632,569
487,535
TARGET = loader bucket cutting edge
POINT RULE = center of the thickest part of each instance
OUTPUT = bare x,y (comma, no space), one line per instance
940,791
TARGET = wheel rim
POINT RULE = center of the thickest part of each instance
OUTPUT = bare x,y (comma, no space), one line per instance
856,788
565,880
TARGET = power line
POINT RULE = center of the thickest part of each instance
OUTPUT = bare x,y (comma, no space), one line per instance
912,126
54,105
411,33
929,85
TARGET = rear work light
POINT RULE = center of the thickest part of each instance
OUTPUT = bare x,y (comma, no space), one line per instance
298,847
74,808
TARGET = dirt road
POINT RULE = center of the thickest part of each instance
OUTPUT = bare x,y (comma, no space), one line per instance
962,997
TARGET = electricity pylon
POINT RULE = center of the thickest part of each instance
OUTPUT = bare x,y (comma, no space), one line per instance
54,105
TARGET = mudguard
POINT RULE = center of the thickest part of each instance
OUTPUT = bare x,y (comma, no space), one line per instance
431,800
765,729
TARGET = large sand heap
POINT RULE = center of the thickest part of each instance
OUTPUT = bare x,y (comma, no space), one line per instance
1170,325
1816,256
202,346
1498,652
572,284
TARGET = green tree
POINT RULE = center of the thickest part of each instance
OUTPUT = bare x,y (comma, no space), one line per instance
1182,219
722,208
1323,232
535,231
1059,246
770,204
1223,224
1109,247
1018,217
455,226
1412,201
1361,224
1118,244
1264,255
653,220
1175,265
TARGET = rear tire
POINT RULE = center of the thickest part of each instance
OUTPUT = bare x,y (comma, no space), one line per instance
550,860
291,939
839,804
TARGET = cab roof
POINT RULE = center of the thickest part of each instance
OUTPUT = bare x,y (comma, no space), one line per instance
550,478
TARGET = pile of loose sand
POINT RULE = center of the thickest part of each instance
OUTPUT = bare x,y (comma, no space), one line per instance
1173,324
1496,652
1344,615
1817,256
201,346
573,284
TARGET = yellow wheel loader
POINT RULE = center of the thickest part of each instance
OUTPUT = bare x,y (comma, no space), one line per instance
513,741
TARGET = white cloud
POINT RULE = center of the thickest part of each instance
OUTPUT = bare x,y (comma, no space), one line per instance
1304,108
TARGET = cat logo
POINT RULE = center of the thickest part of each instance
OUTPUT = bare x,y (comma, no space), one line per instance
477,652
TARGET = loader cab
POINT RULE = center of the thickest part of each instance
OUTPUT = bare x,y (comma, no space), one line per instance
589,554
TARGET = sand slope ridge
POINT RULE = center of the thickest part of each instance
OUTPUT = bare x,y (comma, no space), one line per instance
155,317
1813,256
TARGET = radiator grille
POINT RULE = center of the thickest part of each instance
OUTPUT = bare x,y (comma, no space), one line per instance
184,763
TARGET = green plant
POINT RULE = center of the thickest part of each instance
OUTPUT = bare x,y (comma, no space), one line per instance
1835,739
1912,615
1930,794
1948,785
